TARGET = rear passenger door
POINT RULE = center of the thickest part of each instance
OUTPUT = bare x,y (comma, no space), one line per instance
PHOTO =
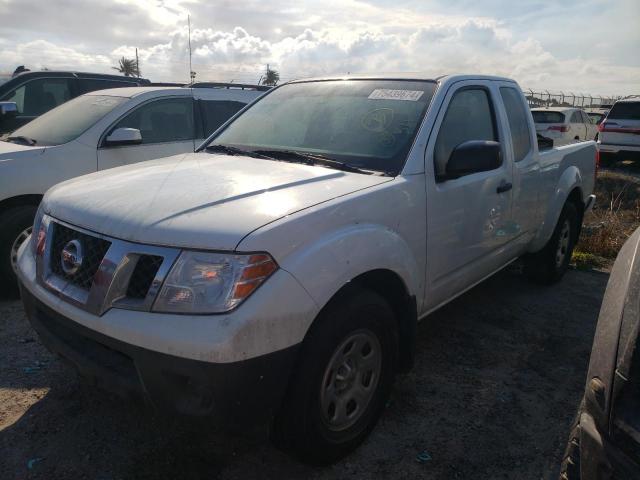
578,127
519,142
467,217
167,127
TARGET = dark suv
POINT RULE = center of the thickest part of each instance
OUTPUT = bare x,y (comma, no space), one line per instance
35,93
605,439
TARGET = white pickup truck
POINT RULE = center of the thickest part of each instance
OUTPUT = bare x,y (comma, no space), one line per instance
279,272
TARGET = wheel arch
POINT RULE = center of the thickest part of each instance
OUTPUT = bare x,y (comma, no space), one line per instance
390,286
19,200
569,189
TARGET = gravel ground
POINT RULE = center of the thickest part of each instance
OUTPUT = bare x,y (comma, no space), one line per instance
498,377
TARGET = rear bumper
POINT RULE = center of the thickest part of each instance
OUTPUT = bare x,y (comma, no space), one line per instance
613,148
233,394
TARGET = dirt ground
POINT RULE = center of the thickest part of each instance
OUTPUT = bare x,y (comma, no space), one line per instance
498,378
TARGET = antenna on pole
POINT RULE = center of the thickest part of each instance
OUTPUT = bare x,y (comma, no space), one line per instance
192,74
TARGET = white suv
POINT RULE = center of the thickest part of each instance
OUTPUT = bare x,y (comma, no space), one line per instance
620,131
564,124
100,130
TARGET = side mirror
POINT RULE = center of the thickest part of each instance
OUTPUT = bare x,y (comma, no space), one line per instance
124,136
472,157
8,109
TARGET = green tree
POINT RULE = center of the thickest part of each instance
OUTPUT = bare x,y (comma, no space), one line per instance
128,67
271,77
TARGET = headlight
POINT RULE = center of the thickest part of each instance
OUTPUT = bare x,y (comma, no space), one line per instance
206,282
38,234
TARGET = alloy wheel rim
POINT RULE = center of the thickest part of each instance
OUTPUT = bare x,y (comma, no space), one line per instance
563,243
350,380
17,243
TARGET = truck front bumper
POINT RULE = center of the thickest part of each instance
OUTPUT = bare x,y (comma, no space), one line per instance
233,394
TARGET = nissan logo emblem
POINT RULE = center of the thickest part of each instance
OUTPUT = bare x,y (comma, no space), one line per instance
71,257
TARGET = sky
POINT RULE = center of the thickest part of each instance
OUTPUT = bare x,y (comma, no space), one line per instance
579,46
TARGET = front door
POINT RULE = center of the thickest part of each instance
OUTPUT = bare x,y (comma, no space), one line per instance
467,217
166,126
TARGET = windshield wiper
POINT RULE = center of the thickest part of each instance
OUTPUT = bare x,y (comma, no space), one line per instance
229,150
315,159
23,139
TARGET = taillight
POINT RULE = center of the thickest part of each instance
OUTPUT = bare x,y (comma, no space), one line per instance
613,127
559,128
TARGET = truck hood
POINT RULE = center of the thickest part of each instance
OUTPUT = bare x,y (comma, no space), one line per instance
196,200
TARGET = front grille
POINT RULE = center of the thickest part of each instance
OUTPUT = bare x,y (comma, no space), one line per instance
94,249
143,275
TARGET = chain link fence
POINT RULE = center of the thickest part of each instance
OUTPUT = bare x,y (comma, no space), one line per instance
545,98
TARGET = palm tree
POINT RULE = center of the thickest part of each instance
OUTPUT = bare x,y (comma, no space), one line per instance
128,66
271,77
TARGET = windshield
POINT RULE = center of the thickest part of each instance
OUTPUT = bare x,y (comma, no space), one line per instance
367,124
625,111
548,117
68,121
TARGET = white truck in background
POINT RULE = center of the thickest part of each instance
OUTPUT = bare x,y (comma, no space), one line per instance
278,274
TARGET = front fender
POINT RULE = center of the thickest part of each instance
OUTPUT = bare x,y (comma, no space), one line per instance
570,179
325,266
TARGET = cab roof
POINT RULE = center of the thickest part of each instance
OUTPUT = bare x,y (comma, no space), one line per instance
428,77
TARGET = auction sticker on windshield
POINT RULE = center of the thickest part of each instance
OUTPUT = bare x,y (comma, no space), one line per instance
388,94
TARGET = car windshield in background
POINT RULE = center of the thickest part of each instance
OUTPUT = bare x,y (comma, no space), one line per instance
625,111
548,117
596,117
66,122
365,124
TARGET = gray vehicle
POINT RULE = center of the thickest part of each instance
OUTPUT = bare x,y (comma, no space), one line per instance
605,439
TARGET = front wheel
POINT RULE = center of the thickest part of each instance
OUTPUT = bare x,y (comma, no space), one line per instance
16,227
549,265
342,380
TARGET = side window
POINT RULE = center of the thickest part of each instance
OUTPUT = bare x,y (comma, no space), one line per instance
469,117
575,118
166,120
216,112
585,118
41,95
93,84
518,122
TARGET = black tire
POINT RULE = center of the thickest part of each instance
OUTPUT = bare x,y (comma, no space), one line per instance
570,465
301,427
13,222
549,265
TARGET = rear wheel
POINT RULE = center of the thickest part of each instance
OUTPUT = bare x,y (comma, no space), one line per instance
570,465
550,264
16,228
342,381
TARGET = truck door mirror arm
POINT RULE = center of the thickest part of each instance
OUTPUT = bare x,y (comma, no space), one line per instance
472,156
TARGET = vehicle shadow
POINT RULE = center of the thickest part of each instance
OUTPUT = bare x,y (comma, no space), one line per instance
498,376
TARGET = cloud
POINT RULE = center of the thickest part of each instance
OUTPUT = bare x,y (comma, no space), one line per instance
335,38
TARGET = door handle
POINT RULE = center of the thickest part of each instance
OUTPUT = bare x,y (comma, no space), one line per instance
504,187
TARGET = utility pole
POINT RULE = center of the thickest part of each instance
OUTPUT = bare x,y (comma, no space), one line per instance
137,63
192,74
